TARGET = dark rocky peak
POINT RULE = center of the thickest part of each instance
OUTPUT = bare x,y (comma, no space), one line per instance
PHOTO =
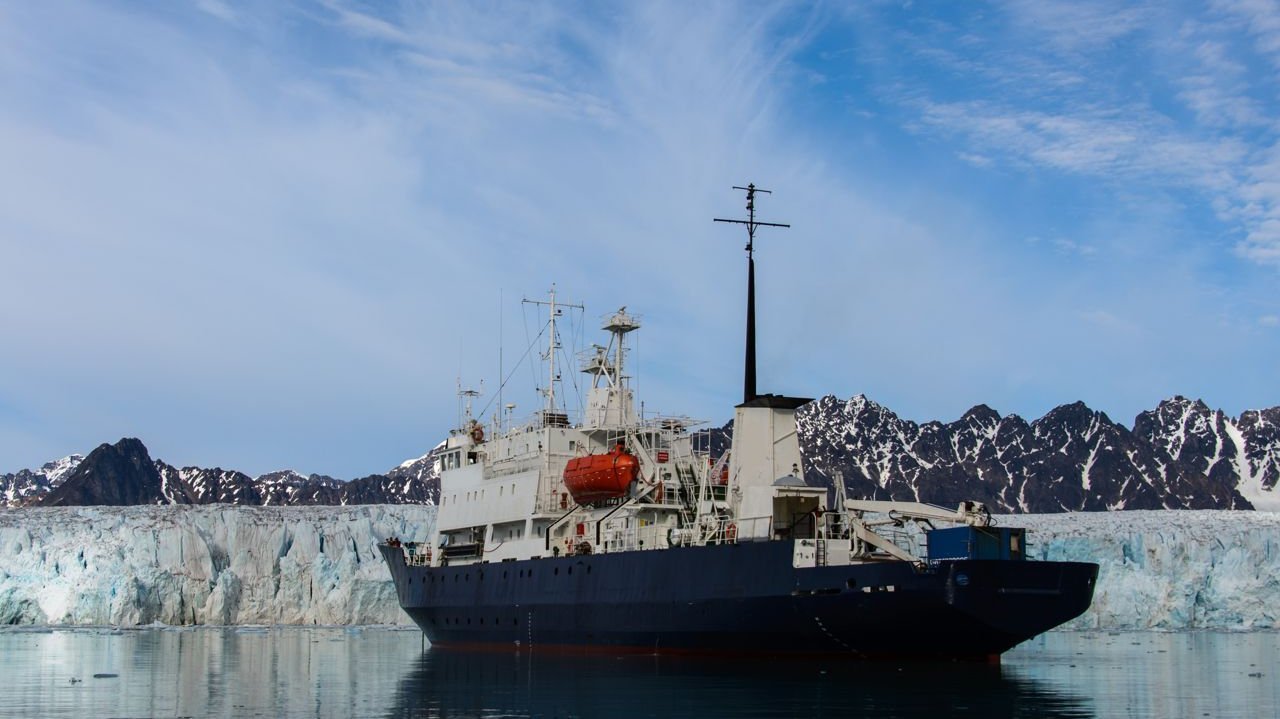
199,485
1260,430
1076,415
1180,429
1071,428
980,417
113,474
1176,415
865,411
380,489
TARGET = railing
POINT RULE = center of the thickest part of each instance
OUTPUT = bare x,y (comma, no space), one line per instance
631,539
745,529
416,554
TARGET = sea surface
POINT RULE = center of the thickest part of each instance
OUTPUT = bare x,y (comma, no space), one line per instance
386,672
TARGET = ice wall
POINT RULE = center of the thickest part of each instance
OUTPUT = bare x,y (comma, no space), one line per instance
210,564
1179,569
217,564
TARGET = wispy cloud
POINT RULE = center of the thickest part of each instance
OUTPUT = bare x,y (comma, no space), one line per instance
218,9
1078,25
276,240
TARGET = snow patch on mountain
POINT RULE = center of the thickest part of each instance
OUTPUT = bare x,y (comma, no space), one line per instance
26,485
56,470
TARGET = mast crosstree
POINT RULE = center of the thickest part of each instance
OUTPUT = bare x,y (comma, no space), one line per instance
749,371
556,309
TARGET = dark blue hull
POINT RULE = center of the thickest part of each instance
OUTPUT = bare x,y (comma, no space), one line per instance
744,597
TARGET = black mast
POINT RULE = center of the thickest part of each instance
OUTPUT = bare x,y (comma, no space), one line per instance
749,372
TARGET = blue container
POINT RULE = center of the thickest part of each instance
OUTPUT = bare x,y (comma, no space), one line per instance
976,543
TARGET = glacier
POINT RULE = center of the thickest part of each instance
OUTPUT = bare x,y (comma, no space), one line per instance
202,564
1168,569
224,564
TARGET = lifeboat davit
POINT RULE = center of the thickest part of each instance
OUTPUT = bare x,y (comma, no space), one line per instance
597,477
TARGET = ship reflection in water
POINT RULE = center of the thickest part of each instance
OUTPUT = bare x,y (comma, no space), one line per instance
462,683
382,672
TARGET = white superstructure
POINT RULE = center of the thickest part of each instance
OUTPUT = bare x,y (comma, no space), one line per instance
504,494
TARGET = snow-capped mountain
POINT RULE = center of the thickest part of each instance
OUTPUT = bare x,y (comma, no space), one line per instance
1181,455
24,486
125,474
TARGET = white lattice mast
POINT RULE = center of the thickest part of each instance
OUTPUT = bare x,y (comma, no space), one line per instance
553,345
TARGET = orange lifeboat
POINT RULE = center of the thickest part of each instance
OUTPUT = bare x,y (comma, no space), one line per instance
598,477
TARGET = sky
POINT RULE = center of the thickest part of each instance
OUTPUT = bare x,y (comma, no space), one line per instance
281,235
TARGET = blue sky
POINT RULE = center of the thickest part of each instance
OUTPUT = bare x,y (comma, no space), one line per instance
270,235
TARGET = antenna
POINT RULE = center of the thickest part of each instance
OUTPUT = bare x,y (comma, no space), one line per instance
465,396
749,371
553,344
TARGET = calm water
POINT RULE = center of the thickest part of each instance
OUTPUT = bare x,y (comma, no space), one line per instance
299,672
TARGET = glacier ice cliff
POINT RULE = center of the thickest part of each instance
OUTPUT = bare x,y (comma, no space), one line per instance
221,564
1171,569
208,564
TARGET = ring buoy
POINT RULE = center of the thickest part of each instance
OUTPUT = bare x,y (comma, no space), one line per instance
731,533
477,433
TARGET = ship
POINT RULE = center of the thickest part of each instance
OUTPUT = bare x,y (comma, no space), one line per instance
617,530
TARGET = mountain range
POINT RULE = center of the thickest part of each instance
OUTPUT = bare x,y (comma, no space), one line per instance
125,474
1180,455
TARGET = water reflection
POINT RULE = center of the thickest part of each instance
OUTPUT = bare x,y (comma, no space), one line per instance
219,672
473,684
341,672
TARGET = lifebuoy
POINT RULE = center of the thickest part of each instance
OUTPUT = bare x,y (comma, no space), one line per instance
731,533
477,433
